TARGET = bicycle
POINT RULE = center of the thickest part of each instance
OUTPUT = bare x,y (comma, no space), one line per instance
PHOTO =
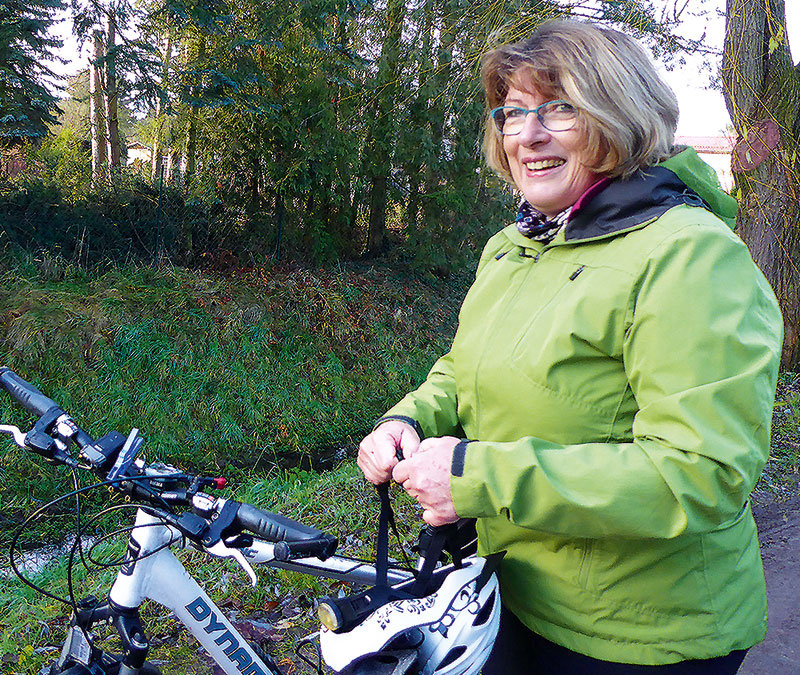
177,510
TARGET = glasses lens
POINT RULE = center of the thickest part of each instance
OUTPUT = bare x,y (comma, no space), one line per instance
557,116
509,120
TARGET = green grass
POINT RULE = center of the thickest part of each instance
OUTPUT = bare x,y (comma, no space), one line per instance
781,477
264,377
271,368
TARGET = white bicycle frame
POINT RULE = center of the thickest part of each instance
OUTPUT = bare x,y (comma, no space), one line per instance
153,572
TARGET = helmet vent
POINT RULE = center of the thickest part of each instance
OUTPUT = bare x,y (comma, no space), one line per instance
486,611
453,655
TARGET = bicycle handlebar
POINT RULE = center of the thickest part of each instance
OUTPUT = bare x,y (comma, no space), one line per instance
293,539
28,396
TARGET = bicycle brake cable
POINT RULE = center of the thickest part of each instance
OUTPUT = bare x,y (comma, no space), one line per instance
310,640
38,512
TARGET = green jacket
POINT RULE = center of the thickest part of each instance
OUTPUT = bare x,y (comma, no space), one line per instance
616,387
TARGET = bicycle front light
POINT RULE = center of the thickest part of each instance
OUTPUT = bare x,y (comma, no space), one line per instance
342,614
329,615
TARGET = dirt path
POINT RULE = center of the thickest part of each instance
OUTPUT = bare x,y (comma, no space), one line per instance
779,533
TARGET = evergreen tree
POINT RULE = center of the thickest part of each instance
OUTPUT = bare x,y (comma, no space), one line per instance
27,105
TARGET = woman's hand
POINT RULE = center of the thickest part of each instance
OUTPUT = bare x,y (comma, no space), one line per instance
425,475
377,453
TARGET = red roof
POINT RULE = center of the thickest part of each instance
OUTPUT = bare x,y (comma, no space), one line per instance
713,145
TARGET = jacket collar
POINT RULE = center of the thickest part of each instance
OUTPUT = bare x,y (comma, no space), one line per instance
626,204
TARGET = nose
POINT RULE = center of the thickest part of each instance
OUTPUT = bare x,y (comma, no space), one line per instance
532,132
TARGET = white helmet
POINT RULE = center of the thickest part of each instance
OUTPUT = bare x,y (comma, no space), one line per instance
451,631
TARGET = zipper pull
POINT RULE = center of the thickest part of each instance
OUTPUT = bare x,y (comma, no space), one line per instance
575,274
523,254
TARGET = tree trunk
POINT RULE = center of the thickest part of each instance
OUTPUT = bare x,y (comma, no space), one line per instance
342,215
96,117
379,153
436,113
761,84
158,138
417,113
111,97
189,163
172,175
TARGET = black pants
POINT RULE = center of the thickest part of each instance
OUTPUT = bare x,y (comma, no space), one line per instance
520,651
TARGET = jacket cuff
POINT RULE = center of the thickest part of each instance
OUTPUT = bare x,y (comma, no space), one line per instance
472,494
401,418
459,455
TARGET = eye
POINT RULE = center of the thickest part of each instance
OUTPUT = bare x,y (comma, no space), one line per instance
513,113
562,108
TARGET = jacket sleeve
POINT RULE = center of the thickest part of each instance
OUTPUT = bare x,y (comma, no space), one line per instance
434,404
701,352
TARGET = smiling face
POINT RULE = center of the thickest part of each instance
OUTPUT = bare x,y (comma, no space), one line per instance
546,165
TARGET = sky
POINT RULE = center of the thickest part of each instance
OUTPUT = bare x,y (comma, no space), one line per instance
703,111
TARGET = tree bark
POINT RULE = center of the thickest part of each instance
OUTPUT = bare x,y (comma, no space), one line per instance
111,96
189,163
413,168
158,138
441,77
379,153
96,109
761,83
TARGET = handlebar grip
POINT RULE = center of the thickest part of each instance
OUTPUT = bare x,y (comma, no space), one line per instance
28,396
275,527
317,548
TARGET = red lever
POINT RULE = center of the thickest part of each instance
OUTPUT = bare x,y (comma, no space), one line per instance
219,483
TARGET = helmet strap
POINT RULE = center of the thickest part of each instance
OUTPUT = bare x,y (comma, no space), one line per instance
385,519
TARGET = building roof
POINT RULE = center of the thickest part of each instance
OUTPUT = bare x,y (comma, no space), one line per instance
713,145
136,144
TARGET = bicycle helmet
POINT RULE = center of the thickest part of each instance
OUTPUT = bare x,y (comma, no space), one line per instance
449,631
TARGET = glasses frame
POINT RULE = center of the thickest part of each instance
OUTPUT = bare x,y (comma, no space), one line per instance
536,111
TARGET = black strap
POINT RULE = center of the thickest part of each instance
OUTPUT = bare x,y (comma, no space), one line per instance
382,546
433,552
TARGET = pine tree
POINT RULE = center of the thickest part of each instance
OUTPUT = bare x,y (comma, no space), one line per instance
27,99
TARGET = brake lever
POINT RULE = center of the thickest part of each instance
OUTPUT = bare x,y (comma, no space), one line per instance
19,437
220,550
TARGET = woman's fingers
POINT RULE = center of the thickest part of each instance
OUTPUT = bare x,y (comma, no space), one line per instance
425,476
377,453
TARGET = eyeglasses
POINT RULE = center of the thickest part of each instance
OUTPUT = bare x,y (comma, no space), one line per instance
553,116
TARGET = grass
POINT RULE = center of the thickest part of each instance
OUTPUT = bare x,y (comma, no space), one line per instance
264,376
227,375
781,476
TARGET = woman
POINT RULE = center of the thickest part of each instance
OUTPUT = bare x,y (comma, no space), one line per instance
604,411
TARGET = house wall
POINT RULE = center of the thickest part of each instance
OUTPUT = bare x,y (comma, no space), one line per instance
143,154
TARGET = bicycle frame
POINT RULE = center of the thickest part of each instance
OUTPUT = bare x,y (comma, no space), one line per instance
151,571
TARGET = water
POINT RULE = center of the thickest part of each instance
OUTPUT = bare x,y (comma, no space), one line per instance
36,560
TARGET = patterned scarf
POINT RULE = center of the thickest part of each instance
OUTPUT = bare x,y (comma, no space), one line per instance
535,225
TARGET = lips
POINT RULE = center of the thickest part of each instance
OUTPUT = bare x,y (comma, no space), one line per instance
541,164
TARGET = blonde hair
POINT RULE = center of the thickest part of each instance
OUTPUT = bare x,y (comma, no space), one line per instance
628,113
